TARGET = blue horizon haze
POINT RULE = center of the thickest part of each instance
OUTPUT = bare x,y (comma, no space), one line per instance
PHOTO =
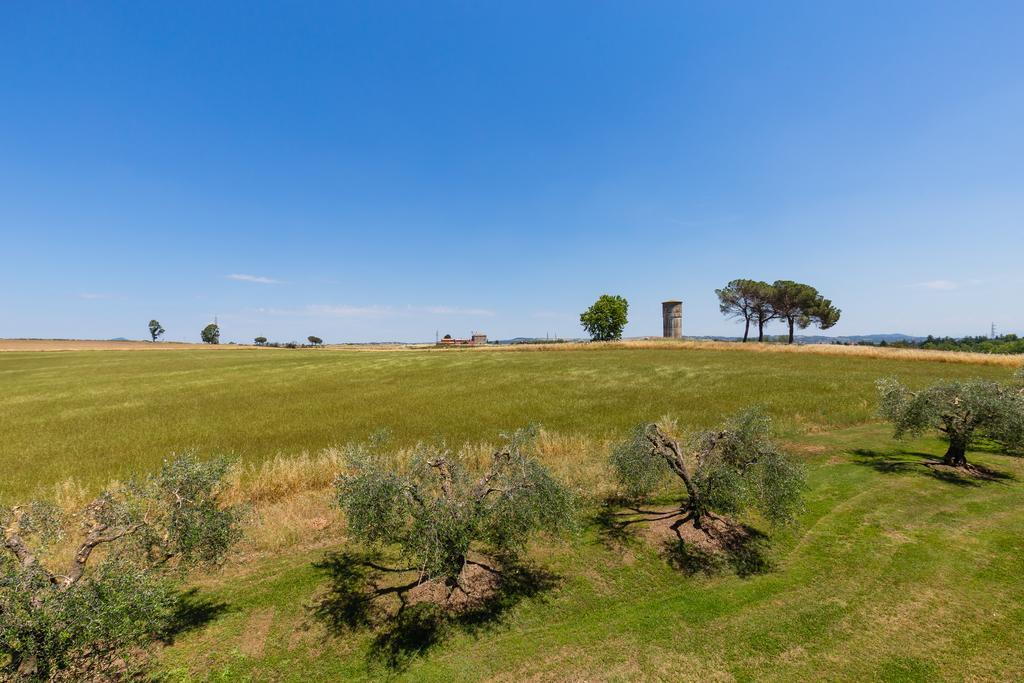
385,171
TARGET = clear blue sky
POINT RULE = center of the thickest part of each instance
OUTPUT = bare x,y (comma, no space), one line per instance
379,171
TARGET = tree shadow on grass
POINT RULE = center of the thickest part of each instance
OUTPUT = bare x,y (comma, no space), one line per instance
913,462
192,611
619,521
365,594
744,553
728,546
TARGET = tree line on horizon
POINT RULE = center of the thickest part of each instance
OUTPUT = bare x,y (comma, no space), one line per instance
796,304
211,335
1006,343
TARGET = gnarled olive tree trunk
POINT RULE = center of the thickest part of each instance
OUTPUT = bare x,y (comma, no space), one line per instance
956,454
669,449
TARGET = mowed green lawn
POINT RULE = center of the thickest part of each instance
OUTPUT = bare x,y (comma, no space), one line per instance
95,415
893,574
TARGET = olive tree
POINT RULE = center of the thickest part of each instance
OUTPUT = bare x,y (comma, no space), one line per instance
436,511
155,329
963,411
77,591
724,471
605,320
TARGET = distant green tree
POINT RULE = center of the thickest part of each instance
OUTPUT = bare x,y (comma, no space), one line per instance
260,341
155,329
315,341
605,320
963,411
725,470
211,334
76,616
801,305
738,299
790,300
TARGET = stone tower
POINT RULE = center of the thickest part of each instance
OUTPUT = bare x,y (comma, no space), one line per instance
672,319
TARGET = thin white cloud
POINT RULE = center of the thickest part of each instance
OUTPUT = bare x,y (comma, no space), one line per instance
344,311
938,285
946,285
242,277
347,311
94,296
452,310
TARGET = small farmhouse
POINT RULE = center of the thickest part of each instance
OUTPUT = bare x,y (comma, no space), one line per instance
476,339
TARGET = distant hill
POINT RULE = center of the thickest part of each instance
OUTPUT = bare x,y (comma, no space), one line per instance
857,338
535,340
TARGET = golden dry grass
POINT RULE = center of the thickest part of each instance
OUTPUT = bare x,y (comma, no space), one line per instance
292,503
887,353
104,345
290,499
576,459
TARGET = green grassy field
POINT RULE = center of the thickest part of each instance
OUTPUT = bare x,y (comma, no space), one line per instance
896,571
893,574
101,414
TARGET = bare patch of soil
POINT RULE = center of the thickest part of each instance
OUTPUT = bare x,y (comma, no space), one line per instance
717,535
719,544
806,448
478,582
897,536
254,639
968,471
